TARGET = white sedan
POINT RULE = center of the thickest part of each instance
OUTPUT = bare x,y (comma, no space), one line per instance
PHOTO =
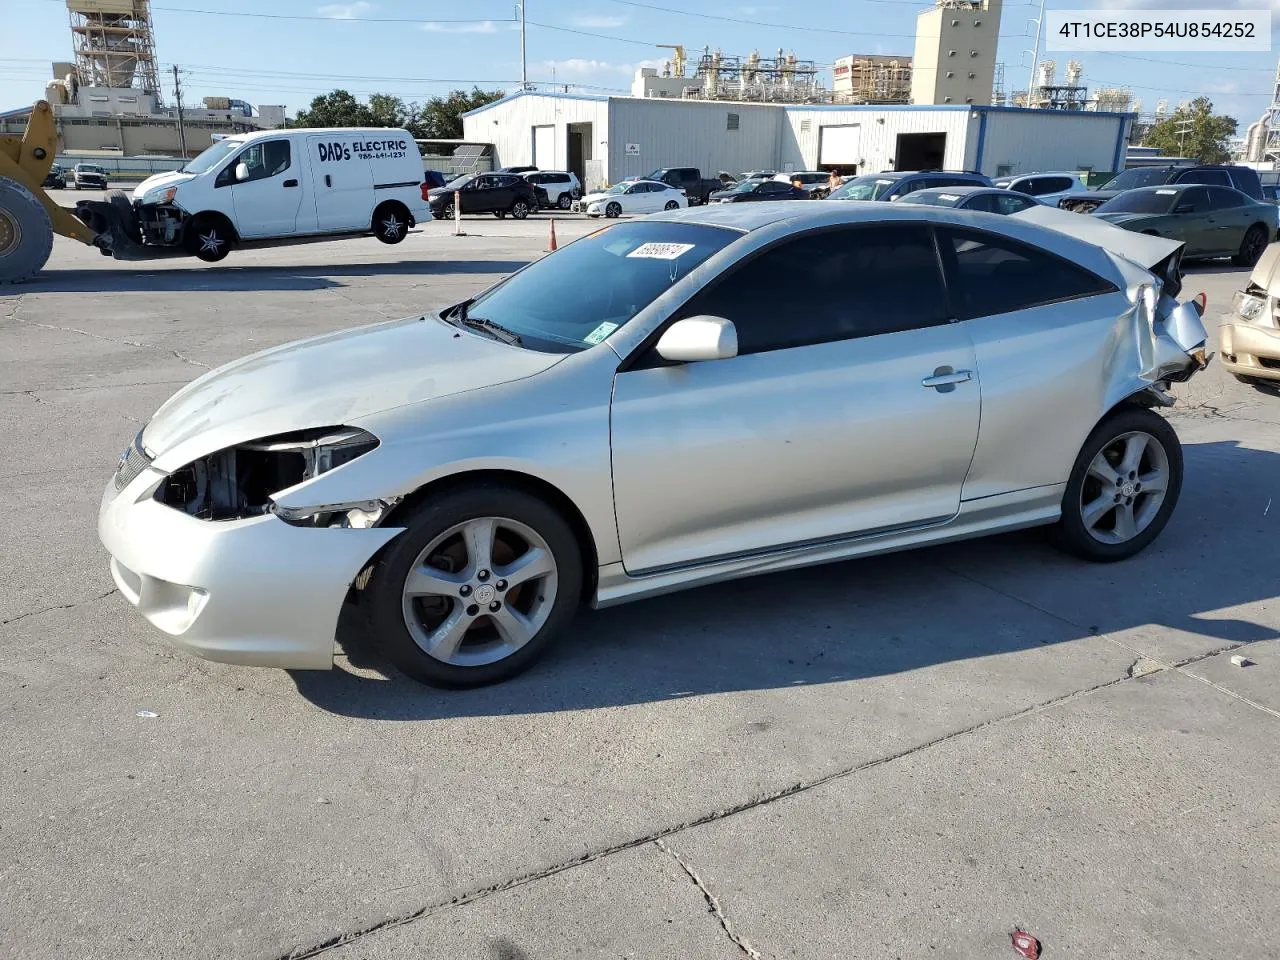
633,196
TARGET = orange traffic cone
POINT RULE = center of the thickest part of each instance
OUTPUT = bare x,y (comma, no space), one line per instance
551,243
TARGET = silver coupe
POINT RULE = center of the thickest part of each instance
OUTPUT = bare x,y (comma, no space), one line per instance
699,395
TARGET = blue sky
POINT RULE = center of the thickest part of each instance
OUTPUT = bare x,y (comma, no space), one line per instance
288,51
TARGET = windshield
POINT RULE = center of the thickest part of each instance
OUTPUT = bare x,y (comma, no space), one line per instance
932,199
620,187
743,186
1145,201
550,306
89,168
862,188
457,183
212,156
1137,177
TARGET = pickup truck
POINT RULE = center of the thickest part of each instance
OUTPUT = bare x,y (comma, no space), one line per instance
1244,179
690,180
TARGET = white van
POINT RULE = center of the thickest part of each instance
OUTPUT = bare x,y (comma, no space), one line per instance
284,186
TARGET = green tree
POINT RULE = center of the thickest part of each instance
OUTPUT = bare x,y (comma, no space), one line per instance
337,109
1194,131
440,118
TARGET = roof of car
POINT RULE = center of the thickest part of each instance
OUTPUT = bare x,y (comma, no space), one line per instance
959,189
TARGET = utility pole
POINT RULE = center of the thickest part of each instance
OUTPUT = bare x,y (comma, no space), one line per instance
182,130
1035,54
524,71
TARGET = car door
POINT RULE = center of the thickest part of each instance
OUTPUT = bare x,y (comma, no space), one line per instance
774,190
850,409
1193,222
504,192
267,202
341,183
639,199
984,202
1230,217
1044,333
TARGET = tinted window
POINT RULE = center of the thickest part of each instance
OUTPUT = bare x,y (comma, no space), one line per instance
831,285
1220,198
773,186
982,201
1042,185
993,275
1012,204
1159,200
1137,177
1197,199
1206,176
557,178
1246,181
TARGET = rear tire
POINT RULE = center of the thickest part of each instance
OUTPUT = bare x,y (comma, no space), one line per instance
406,621
1123,487
391,222
208,238
1252,246
26,233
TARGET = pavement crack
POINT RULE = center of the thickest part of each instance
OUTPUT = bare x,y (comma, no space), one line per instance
32,395
58,606
125,341
185,359
472,896
13,311
713,905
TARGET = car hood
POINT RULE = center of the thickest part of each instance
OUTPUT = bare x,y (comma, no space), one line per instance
1123,219
1266,273
170,178
331,380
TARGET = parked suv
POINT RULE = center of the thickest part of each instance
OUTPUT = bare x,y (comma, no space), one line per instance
1243,179
86,175
561,188
1048,187
893,184
496,193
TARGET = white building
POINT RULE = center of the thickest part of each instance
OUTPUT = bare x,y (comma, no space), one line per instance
604,139
649,83
955,58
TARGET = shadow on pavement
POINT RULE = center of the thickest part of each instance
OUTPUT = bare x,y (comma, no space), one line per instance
880,616
124,279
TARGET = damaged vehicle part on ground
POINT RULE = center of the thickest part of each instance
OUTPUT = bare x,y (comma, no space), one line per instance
807,376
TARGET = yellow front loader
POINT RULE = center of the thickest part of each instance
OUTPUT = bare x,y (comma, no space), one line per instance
28,216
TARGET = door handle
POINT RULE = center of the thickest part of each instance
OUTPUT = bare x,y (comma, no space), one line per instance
291,183
944,379
327,181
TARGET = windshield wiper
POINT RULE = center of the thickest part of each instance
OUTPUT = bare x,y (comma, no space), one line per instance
496,330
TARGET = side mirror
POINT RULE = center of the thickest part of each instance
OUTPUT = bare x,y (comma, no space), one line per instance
896,197
242,171
699,338
1185,208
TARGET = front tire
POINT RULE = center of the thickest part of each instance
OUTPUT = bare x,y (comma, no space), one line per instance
209,238
26,233
671,205
613,210
1251,247
1123,487
520,209
390,223
564,202
477,587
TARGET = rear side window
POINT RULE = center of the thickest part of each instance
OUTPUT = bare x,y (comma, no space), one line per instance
831,285
1206,176
1195,200
1043,185
1220,198
991,275
1012,204
1247,181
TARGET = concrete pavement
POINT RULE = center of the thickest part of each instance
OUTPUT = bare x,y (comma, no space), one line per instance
902,756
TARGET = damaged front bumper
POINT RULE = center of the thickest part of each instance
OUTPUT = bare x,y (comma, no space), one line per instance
256,591
1249,336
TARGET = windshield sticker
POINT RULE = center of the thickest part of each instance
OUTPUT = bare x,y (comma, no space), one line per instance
606,328
948,196
1167,192
661,251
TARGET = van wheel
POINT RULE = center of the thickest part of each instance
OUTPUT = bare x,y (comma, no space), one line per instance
209,238
391,222
520,209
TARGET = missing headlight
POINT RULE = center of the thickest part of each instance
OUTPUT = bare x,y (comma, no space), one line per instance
239,481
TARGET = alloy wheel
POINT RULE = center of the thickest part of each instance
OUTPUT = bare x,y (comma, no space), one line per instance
391,226
1124,488
480,591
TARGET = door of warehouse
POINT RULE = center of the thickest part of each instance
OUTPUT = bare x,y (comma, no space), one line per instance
544,147
840,147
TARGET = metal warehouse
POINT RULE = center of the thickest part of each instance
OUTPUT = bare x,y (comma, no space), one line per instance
604,139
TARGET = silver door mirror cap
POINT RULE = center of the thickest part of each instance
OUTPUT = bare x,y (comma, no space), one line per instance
694,339
242,171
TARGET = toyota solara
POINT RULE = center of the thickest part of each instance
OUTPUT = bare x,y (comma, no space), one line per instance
698,395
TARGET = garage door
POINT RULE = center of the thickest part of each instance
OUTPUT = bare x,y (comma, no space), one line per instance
840,146
544,147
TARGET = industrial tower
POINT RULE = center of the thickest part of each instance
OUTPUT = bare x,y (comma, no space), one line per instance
1272,148
114,44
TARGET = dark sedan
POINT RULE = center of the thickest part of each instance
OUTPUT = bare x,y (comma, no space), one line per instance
751,190
986,199
1212,221
496,193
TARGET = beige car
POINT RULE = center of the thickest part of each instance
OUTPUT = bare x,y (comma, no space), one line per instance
1249,339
